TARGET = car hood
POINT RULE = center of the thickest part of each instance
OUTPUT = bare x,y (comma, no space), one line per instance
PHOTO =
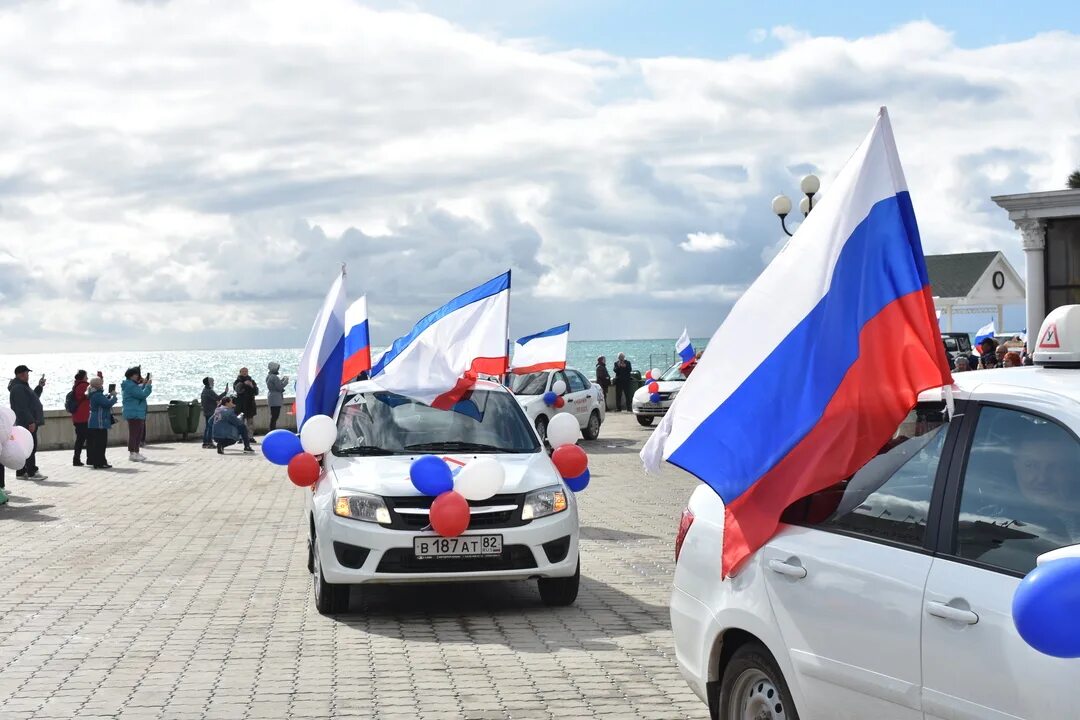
666,386
389,475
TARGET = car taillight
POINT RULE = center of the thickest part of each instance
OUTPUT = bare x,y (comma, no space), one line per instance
685,522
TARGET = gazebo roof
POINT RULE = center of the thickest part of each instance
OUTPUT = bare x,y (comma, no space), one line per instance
955,275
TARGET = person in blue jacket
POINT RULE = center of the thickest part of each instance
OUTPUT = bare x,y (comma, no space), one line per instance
98,424
228,428
135,389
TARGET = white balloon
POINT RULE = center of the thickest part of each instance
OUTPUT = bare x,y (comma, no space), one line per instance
318,434
480,479
11,455
655,374
23,439
7,421
558,387
563,430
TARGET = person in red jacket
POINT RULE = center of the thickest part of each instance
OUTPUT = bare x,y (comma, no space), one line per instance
81,416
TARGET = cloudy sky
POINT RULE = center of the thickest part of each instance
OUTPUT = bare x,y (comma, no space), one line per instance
190,174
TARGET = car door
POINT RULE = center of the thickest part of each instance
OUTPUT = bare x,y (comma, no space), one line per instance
846,584
578,397
1015,496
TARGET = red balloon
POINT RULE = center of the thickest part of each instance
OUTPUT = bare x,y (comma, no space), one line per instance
450,514
654,387
559,402
304,470
570,460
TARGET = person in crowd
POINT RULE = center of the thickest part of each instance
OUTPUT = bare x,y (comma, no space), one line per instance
988,361
999,352
81,414
1011,359
1026,358
134,390
275,392
603,377
246,391
98,421
228,428
961,364
622,382
210,399
26,404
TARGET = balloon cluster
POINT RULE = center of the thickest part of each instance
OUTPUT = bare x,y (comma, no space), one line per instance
651,377
553,397
16,443
479,479
570,460
298,452
1045,603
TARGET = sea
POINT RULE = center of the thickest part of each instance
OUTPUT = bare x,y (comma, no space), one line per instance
178,374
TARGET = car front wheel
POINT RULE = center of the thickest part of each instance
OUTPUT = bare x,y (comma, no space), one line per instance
592,429
330,599
559,592
753,688
644,420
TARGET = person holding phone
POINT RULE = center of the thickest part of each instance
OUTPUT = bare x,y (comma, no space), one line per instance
210,399
80,414
275,392
26,404
134,390
98,422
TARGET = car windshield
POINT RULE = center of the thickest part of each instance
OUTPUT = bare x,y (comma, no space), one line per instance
384,423
673,373
530,384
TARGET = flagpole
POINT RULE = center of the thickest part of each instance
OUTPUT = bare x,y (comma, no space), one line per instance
506,375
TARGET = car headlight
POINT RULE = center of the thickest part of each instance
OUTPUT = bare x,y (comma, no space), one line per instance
362,506
544,502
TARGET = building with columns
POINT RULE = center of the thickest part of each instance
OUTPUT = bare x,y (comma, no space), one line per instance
1049,225
974,283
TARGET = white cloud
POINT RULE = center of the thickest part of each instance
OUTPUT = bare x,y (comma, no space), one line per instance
700,242
168,164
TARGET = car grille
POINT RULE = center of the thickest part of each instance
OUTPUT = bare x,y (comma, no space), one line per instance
665,396
402,560
401,519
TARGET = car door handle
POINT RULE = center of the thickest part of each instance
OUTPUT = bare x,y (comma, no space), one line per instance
787,568
948,612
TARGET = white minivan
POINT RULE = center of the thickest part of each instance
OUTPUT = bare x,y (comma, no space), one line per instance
888,596
368,524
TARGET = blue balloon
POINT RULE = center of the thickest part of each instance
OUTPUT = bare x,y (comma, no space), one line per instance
281,446
654,397
431,475
579,483
549,397
1045,605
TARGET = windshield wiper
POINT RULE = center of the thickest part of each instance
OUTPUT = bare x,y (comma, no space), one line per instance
365,450
457,445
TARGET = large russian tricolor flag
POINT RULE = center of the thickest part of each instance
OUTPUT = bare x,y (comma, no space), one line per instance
838,337
439,360
357,343
318,381
543,351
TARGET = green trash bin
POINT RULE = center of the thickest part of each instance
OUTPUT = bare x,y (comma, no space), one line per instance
178,417
194,416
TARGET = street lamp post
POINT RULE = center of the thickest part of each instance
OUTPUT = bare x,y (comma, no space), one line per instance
781,204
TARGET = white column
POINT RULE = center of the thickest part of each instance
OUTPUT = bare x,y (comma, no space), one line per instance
1000,318
948,321
1033,235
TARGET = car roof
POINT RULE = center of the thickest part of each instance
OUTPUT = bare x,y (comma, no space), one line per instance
1064,382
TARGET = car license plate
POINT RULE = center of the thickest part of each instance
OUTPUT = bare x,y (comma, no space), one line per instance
427,548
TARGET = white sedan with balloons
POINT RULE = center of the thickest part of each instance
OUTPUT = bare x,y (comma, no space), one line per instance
403,492
549,394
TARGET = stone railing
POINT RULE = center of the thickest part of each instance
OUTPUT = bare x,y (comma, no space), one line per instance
58,434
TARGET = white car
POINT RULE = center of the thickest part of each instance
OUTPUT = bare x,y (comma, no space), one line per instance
583,398
888,596
670,382
368,524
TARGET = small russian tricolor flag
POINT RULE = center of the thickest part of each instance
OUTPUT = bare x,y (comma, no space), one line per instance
357,342
685,349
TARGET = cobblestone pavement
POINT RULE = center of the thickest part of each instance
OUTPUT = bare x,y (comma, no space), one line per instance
178,588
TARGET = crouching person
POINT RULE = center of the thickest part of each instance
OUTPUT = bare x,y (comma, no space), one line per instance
228,428
98,424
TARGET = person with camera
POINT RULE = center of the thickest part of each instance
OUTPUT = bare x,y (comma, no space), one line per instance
275,392
246,392
98,421
210,399
229,429
78,405
134,390
26,404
